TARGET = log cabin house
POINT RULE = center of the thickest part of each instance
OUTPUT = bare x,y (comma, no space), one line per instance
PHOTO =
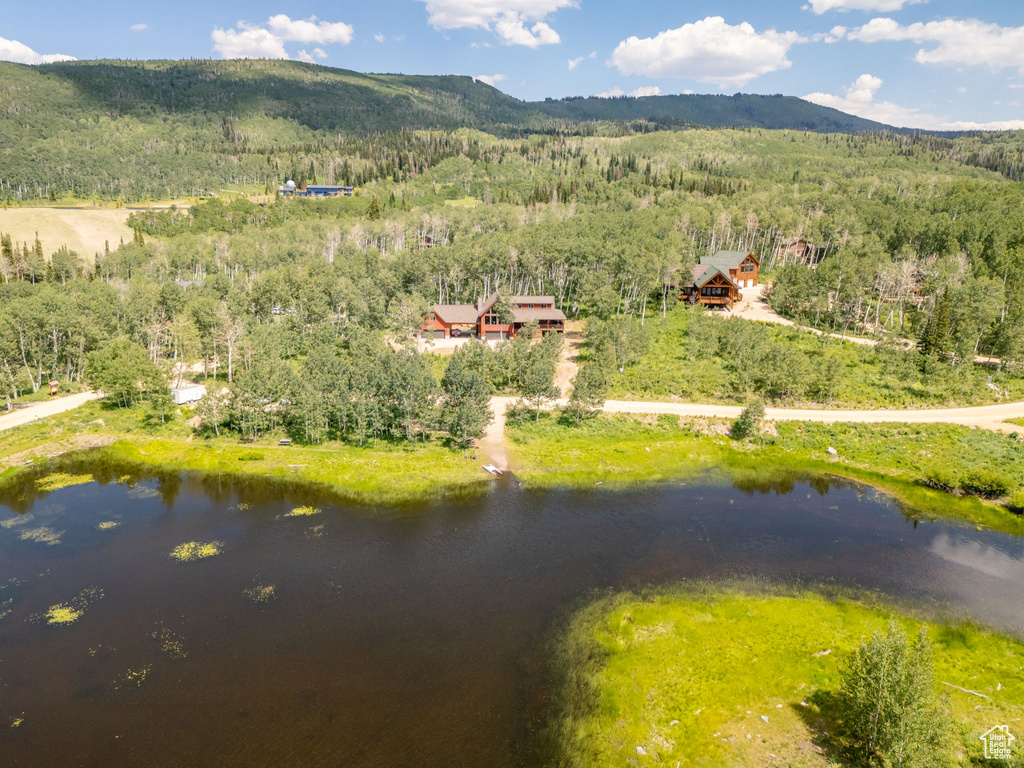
455,320
717,279
797,250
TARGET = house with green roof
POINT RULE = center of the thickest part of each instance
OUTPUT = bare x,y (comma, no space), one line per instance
717,279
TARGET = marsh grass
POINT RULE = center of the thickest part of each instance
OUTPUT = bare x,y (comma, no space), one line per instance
709,675
385,473
57,480
303,512
622,451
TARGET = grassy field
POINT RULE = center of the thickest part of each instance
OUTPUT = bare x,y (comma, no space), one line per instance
384,473
693,357
725,677
84,230
619,451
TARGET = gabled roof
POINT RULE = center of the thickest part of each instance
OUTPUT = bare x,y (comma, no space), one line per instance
526,315
726,259
456,313
702,274
487,303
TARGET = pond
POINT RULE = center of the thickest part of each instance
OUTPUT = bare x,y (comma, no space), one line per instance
390,637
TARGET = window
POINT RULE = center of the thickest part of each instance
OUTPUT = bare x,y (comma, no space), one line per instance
491,319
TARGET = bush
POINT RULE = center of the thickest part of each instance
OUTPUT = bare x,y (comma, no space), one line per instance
985,483
518,414
749,421
941,479
887,703
1016,502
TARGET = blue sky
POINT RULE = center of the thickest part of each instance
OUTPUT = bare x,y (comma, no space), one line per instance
924,63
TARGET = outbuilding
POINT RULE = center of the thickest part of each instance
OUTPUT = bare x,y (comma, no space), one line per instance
189,394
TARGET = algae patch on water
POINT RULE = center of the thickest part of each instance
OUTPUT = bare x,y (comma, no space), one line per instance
61,480
303,512
108,525
134,678
16,721
42,535
62,614
196,550
261,593
13,521
171,643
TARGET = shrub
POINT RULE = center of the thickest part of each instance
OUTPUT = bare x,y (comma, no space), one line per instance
941,479
1016,502
985,483
749,421
518,414
887,703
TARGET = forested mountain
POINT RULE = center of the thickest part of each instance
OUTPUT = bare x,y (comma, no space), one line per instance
737,111
135,130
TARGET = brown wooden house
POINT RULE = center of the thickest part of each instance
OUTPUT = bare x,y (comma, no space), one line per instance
717,279
480,320
797,250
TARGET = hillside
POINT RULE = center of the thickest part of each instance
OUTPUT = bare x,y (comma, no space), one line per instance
741,110
132,130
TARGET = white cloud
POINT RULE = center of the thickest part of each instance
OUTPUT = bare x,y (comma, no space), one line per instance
515,22
310,30
859,100
139,27
834,35
379,37
456,14
709,51
12,50
511,30
311,58
964,41
247,43
882,6
573,63
491,80
593,55
644,90
252,41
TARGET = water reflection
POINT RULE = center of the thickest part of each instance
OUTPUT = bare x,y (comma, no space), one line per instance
394,636
990,559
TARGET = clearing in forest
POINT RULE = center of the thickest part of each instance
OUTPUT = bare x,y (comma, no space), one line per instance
84,230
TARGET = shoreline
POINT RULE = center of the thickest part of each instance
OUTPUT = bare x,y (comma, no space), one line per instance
606,453
720,662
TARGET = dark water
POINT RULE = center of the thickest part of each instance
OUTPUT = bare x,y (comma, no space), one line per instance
413,637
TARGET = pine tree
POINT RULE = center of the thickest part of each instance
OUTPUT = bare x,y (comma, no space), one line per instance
373,212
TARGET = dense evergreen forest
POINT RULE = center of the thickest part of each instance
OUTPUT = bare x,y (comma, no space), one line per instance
131,131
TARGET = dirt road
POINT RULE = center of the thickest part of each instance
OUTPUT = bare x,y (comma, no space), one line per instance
567,368
30,413
983,417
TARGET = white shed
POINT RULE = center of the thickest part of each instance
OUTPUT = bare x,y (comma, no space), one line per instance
189,394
